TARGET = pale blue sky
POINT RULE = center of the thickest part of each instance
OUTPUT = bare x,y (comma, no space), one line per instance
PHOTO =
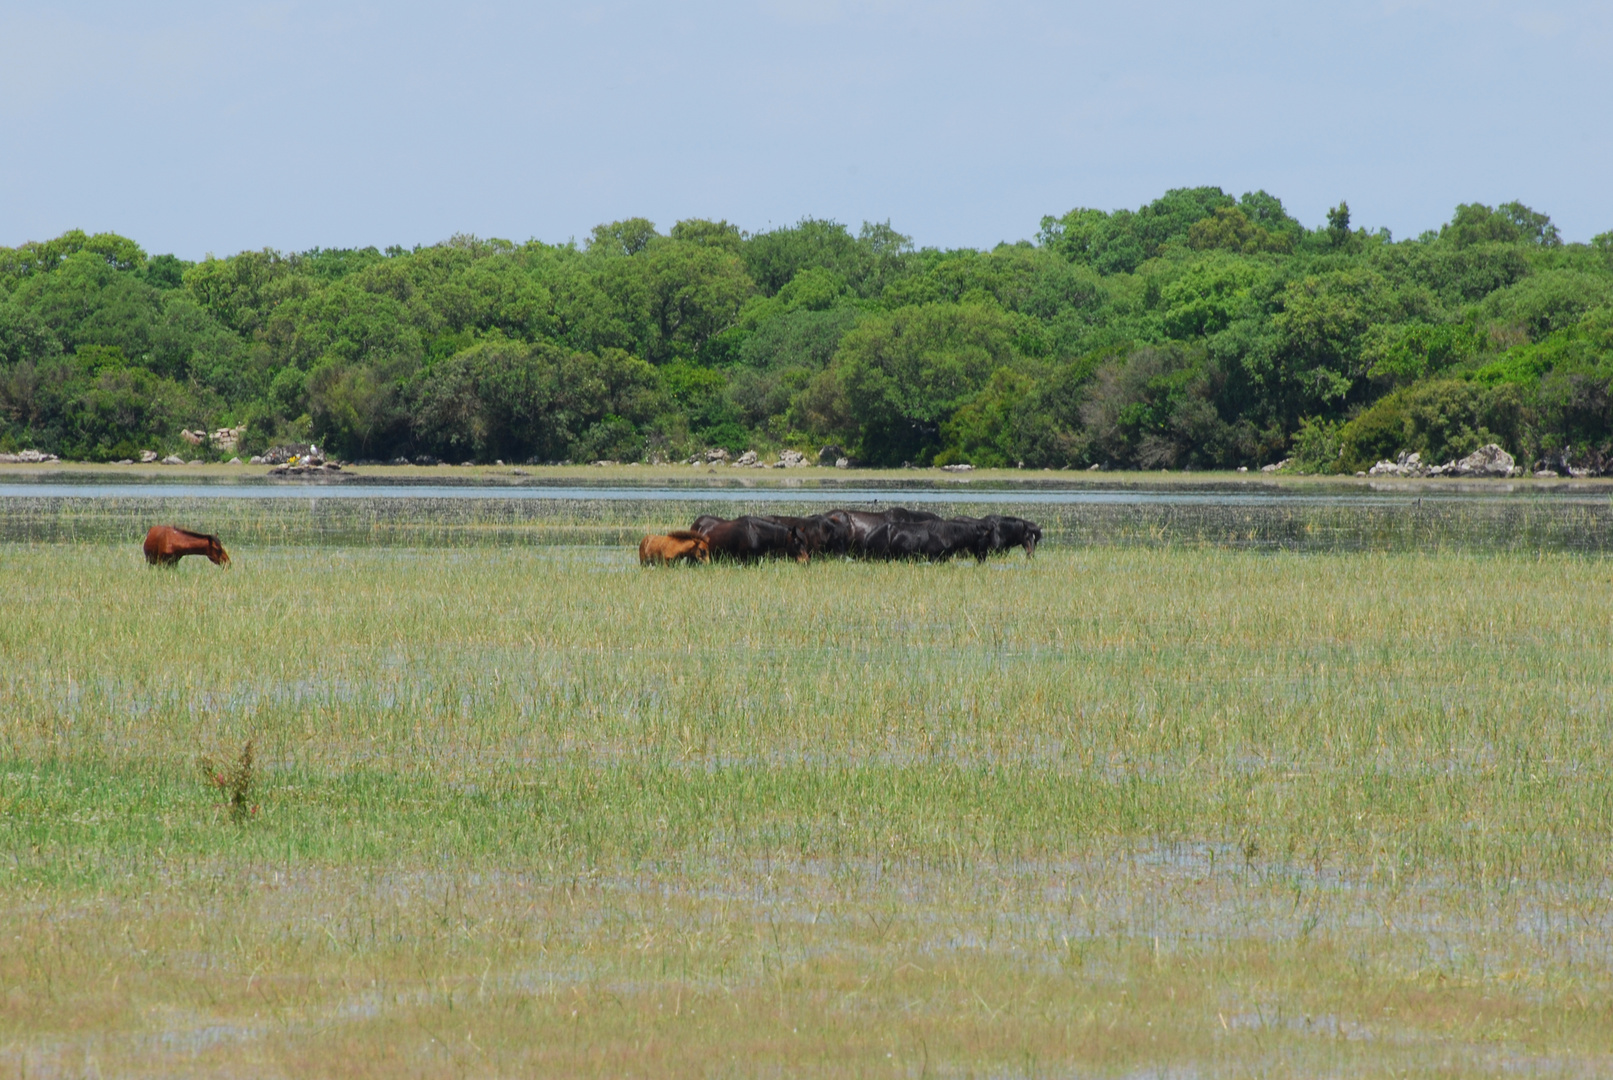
217,127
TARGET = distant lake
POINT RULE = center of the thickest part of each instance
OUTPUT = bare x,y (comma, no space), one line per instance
1173,495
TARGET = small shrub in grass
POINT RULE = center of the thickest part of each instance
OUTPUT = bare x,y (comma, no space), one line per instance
1317,447
234,780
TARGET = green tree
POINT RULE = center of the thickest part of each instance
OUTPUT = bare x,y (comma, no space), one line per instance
627,237
905,372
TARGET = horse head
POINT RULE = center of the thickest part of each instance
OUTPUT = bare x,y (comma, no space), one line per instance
1033,536
798,546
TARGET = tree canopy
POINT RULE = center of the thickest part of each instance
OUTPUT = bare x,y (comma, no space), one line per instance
1199,330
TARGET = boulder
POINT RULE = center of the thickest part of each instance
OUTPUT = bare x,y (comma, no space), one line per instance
747,460
279,455
147,456
28,457
1276,466
1487,460
233,461
716,454
195,438
830,455
961,467
125,461
1404,465
843,463
256,460
173,459
791,459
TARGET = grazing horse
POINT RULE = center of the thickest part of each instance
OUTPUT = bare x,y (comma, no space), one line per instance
748,538
705,522
936,540
675,545
860,526
821,532
1011,532
166,545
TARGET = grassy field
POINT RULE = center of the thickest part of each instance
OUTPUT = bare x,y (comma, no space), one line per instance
1116,811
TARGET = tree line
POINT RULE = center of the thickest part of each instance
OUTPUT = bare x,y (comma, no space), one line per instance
1198,331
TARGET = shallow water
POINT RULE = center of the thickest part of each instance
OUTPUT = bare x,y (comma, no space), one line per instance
1472,516
949,494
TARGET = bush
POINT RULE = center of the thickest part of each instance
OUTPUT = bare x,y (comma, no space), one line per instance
1442,420
1318,447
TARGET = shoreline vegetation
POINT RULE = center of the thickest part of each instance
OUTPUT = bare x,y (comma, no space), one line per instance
716,476
1201,331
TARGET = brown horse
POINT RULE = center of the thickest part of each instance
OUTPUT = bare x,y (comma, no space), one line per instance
668,549
167,544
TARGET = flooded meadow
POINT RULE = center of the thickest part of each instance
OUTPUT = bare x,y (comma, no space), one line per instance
1283,787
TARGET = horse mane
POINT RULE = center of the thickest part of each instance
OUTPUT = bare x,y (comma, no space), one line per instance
685,534
194,533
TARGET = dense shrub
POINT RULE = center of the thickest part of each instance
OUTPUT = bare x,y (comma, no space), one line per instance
1443,419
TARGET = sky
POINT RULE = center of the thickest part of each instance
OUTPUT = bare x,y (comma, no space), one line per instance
200,128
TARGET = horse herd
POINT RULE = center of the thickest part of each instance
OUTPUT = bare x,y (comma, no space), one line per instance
897,533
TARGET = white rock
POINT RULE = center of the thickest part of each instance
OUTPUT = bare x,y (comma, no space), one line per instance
147,456
746,460
957,468
233,461
173,459
842,463
1487,460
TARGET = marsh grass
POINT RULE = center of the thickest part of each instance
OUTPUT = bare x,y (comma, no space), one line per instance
1323,519
530,809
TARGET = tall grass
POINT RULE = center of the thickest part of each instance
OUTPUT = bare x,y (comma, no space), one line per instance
534,808
1306,520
